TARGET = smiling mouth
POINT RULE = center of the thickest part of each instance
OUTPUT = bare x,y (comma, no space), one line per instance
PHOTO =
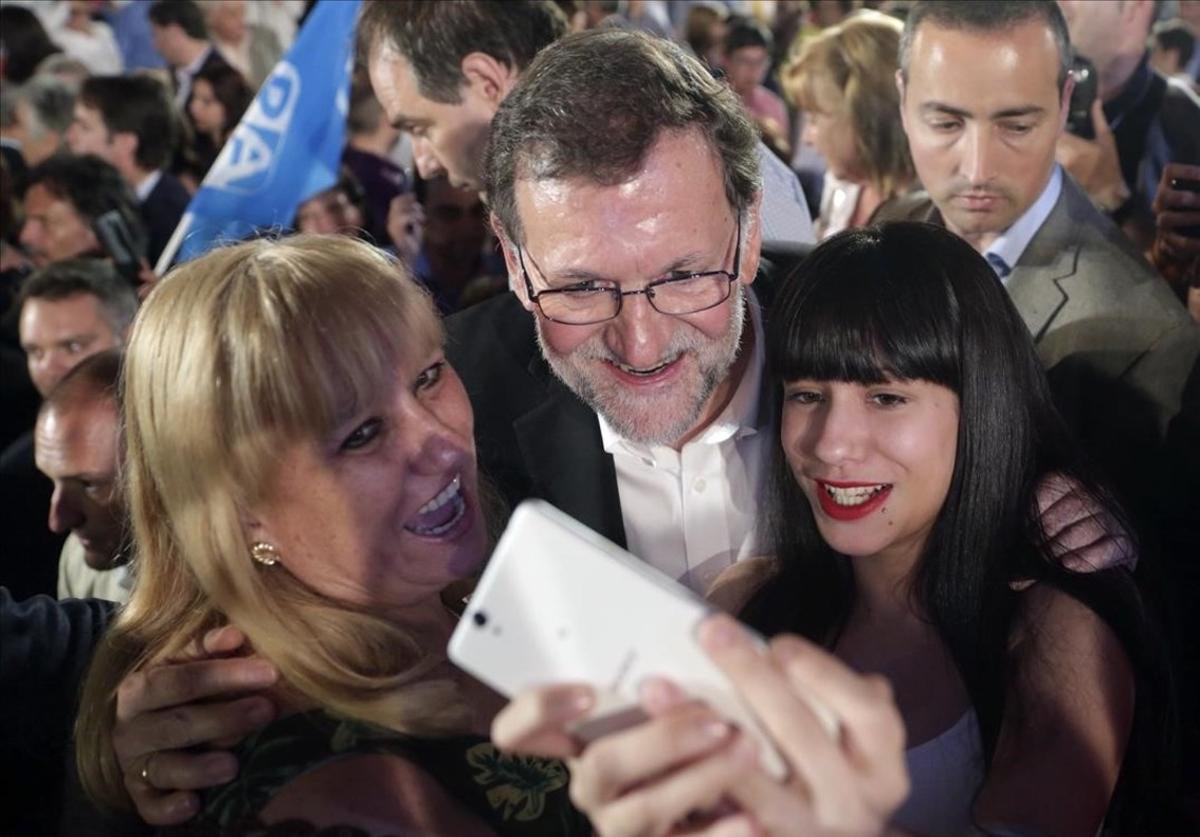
441,514
853,496
647,372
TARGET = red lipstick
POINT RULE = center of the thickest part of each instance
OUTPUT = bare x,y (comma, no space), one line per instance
846,513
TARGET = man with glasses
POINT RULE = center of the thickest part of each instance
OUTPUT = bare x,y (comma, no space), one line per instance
623,379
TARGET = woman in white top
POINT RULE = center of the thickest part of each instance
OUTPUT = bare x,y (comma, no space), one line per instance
918,443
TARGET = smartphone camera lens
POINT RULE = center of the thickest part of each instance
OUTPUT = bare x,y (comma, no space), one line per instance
480,618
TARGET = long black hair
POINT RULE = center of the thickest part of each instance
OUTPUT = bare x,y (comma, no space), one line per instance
912,301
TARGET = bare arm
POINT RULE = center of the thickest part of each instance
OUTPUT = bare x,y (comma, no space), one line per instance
1058,757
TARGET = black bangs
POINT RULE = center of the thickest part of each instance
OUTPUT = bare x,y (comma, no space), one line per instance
851,313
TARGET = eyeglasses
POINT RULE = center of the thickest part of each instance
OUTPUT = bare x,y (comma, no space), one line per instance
597,300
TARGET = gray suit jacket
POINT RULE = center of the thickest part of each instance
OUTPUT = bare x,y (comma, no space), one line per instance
1097,312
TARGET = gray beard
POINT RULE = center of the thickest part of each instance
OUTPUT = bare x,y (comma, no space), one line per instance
629,416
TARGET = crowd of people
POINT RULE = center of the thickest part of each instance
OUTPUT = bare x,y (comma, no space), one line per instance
873,323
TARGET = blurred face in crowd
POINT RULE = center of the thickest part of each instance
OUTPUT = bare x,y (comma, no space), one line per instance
57,334
447,139
53,230
455,219
1110,35
227,20
88,134
331,211
171,43
746,68
76,446
829,128
208,114
656,378
983,112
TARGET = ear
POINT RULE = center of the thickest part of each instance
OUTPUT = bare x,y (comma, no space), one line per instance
487,79
751,242
516,284
900,87
126,145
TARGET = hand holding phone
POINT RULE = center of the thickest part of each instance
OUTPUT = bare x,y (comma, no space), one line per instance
560,604
1176,248
674,767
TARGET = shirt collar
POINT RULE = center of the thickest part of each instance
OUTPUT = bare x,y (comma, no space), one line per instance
143,189
741,417
1012,242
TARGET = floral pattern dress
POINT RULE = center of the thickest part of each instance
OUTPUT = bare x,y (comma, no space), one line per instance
514,795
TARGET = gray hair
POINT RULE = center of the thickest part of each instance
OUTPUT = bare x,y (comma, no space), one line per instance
51,104
988,16
593,104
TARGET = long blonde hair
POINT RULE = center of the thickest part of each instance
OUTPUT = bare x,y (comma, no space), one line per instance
233,357
859,58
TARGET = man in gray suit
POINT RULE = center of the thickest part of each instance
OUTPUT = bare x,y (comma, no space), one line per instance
984,95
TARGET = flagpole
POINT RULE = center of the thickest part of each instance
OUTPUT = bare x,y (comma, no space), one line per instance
173,245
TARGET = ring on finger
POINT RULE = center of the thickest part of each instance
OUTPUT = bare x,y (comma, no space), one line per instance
145,774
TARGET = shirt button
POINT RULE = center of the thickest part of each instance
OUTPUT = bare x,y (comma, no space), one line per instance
699,484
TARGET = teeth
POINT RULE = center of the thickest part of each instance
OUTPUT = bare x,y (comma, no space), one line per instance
448,495
853,496
632,371
442,498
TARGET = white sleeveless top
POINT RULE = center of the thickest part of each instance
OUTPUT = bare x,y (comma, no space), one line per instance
946,772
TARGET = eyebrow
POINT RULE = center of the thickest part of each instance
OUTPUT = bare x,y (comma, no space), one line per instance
575,274
407,123
1007,113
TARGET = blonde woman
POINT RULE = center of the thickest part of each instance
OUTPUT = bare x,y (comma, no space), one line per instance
301,467
844,79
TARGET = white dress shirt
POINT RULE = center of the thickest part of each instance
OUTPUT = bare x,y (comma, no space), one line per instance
1013,241
691,513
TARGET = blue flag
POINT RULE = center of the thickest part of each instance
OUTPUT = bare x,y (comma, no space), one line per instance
288,145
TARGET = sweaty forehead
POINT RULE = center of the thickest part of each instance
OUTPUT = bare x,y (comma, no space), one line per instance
675,201
1018,62
77,438
49,318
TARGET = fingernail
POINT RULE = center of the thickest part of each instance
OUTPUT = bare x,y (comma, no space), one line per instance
658,694
184,807
260,711
574,701
260,671
721,632
715,730
221,767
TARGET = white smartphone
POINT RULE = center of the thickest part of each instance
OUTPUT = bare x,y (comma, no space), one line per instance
560,603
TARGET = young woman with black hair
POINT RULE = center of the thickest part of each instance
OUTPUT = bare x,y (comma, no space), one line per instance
920,448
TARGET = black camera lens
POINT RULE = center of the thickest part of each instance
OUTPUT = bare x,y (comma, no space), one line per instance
480,618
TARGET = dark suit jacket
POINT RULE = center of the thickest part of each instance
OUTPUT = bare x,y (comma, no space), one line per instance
533,436
161,211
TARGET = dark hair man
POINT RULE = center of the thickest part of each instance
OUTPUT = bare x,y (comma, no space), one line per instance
984,95
1143,120
441,70
70,311
127,121
181,38
63,198
77,446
